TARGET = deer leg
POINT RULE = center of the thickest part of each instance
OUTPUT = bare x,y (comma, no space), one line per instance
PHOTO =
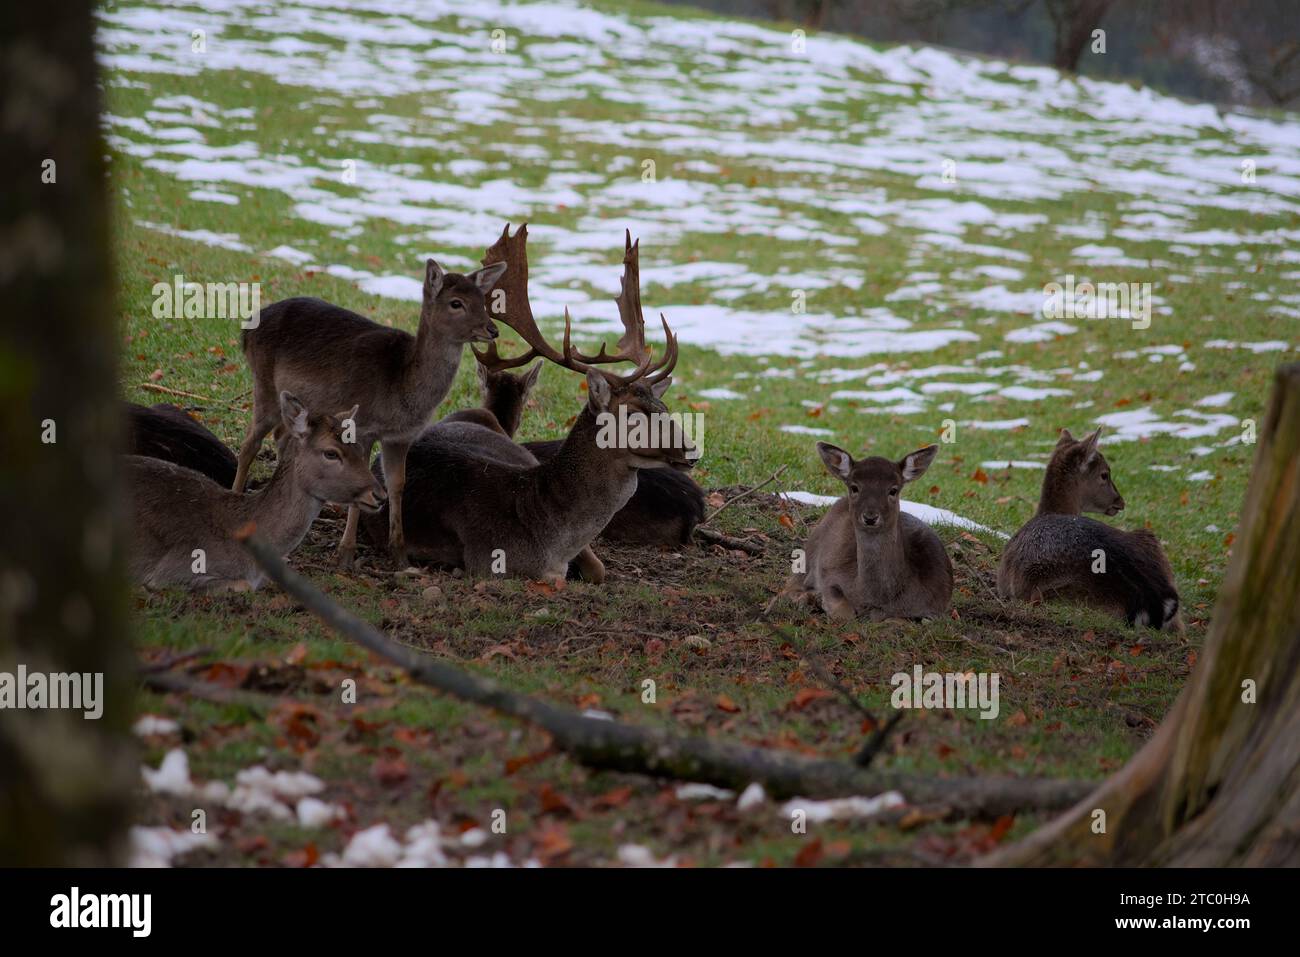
836,604
346,553
257,431
394,458
591,567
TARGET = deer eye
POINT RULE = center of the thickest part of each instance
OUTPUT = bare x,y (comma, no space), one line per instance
893,491
1105,476
331,456
853,489
456,304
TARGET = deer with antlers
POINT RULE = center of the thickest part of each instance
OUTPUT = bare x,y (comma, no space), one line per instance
667,504
473,501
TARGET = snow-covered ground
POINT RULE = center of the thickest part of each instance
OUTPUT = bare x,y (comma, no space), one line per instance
858,141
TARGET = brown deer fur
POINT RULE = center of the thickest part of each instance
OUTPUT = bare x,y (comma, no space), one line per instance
1061,554
333,358
866,556
177,511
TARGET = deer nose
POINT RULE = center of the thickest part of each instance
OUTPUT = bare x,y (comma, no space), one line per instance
871,521
492,330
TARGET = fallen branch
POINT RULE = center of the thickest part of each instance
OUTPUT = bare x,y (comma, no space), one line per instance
726,541
732,501
613,746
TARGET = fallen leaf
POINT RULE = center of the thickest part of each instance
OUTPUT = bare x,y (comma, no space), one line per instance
390,772
553,802
514,764
552,842
806,696
810,855
612,799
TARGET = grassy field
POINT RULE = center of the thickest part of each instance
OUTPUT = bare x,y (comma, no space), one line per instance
827,281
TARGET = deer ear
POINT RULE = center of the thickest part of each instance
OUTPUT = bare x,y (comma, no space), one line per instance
913,465
599,393
1065,437
349,414
661,387
433,277
1089,445
531,377
838,462
488,276
294,414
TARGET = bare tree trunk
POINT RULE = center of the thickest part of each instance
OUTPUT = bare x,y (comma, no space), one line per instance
1074,21
65,780
1219,783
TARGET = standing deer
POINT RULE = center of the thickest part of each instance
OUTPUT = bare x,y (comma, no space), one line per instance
867,556
184,524
333,358
473,502
1060,554
664,509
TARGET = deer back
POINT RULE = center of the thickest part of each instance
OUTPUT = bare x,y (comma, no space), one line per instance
1123,573
167,432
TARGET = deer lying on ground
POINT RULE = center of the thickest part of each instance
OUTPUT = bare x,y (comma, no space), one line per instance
664,509
479,432
474,502
504,395
333,358
168,433
1059,553
184,524
868,557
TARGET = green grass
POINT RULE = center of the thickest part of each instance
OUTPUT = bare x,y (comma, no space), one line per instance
1079,694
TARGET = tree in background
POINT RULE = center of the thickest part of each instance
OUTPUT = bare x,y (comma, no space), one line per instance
1074,22
65,780
1253,47
1234,51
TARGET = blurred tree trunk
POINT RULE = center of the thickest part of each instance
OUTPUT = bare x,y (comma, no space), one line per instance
1074,21
65,781
1219,783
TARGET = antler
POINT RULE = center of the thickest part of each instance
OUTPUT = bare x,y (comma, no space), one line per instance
519,317
514,283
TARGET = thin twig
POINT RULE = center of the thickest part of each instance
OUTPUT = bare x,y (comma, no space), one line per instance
732,501
169,682
155,387
171,661
877,741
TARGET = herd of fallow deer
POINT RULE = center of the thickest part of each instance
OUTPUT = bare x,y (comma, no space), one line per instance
462,494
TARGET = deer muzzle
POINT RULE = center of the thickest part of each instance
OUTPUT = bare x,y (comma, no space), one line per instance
372,499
